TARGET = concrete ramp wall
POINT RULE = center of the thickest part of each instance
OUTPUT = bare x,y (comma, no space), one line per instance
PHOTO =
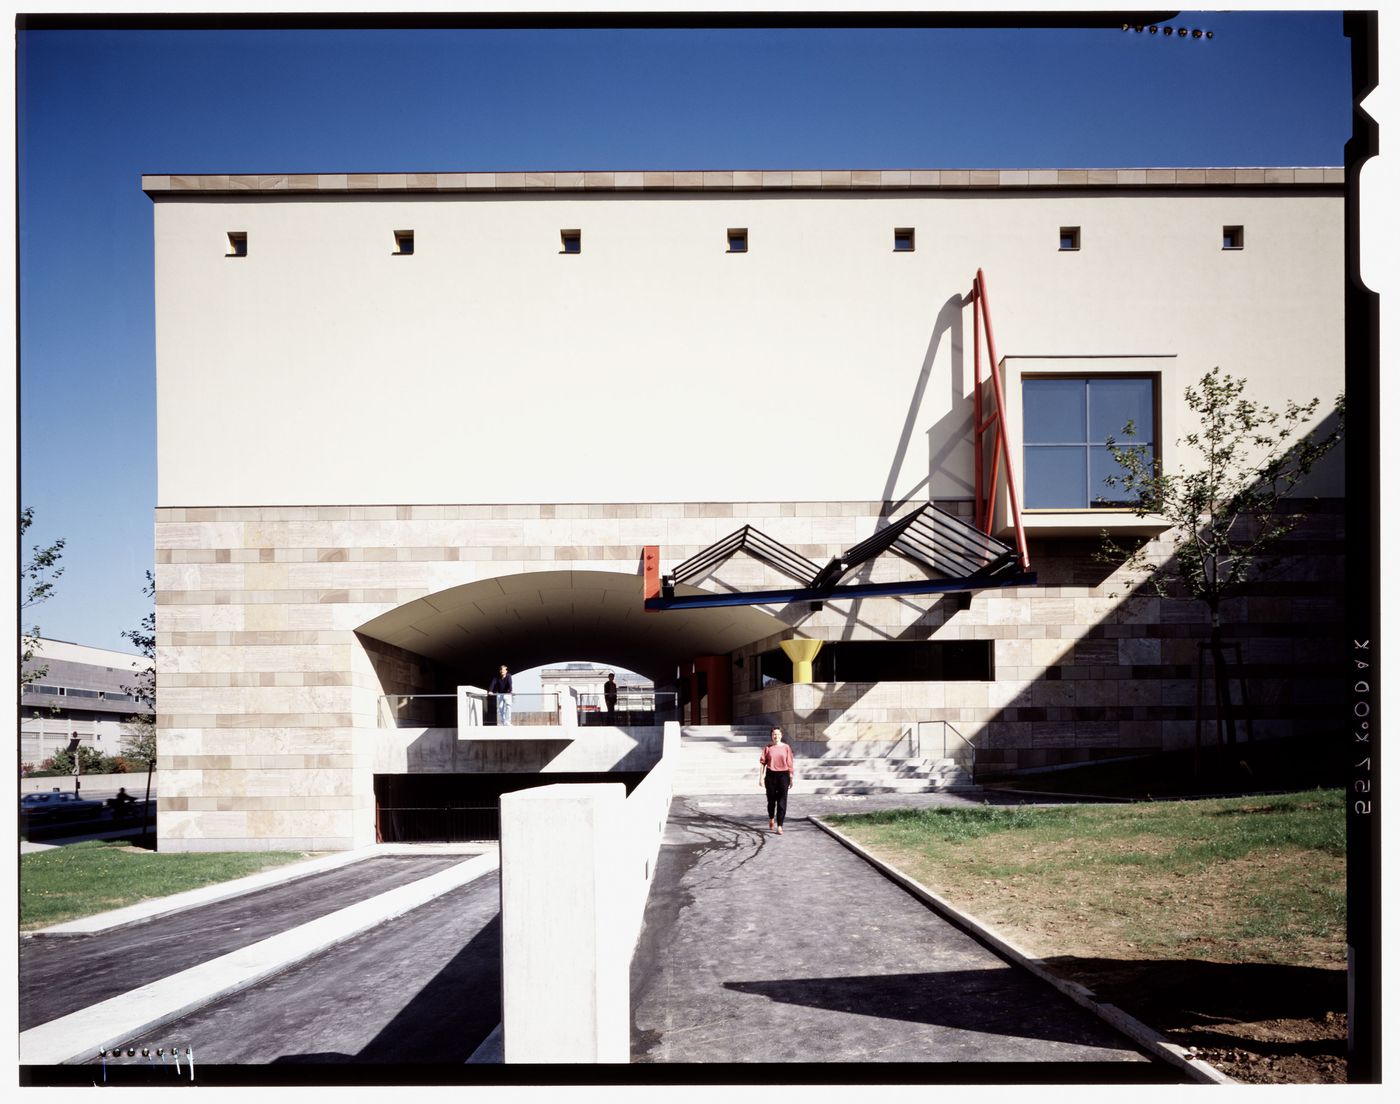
523,749
576,866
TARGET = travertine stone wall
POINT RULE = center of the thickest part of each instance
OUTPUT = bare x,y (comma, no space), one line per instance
1087,665
268,697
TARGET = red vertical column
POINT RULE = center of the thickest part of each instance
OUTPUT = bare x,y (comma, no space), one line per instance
720,687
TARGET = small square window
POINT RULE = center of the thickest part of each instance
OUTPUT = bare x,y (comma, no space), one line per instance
237,243
1069,238
904,239
738,240
570,241
403,243
1232,237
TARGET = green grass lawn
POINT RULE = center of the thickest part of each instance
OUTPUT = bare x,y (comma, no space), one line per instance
1235,879
96,876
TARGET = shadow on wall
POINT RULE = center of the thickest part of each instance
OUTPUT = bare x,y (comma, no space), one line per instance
445,751
1126,683
955,425
400,671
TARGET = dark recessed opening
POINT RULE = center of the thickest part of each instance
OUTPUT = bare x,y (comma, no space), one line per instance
1069,238
237,243
571,241
403,243
1232,237
738,240
883,661
904,239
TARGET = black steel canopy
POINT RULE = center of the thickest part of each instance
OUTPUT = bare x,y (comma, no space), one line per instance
963,557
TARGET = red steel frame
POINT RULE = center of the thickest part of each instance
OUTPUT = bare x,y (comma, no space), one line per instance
986,483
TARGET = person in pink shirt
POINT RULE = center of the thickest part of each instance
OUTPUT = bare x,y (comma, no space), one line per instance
776,775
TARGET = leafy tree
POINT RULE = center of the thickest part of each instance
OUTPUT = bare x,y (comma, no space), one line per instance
38,577
1227,510
90,759
139,745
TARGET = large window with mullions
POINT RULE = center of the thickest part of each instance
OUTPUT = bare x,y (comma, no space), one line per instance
1066,424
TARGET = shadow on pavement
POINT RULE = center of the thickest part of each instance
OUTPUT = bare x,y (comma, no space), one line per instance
445,1021
986,1001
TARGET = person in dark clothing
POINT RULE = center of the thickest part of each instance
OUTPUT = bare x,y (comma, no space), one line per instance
610,695
776,774
502,687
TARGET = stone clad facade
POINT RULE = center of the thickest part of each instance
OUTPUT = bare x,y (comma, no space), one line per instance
270,716
384,473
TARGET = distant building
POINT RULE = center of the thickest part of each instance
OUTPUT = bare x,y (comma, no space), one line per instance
587,680
82,694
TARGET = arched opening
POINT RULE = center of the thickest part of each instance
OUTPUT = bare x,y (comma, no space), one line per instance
436,781
464,633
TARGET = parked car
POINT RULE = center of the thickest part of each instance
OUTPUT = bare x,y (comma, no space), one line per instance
57,806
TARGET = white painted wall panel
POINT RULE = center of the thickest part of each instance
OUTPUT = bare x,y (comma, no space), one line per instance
654,366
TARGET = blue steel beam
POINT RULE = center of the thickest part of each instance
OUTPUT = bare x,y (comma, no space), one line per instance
837,594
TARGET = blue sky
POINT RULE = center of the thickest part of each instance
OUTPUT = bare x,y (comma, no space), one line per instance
98,109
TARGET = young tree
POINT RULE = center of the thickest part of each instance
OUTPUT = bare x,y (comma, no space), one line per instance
1227,509
37,578
140,744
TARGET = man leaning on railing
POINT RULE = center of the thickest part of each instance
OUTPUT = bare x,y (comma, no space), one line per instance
502,687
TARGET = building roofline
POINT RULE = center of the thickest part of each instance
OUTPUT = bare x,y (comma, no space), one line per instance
757,180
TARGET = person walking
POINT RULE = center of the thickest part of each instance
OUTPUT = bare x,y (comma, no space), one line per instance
502,687
610,695
776,774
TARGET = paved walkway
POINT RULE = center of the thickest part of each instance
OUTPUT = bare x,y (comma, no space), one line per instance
424,987
757,948
767,948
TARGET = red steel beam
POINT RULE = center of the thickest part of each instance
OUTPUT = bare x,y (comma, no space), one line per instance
1002,435
651,572
981,426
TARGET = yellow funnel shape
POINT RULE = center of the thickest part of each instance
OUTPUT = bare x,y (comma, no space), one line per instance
801,652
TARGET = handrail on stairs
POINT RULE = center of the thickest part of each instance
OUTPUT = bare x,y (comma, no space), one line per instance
916,741
947,725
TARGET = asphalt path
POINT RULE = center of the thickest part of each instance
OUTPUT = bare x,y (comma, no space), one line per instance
59,975
424,987
766,948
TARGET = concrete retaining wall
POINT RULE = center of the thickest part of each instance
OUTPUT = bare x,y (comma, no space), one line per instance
530,750
576,865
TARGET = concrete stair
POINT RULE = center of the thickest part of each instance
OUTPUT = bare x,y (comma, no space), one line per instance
723,759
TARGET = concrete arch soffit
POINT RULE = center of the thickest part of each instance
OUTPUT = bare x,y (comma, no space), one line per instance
537,617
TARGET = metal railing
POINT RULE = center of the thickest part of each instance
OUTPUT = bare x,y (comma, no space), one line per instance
964,753
526,709
443,710
631,708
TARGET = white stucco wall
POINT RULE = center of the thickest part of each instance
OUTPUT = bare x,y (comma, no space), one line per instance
820,365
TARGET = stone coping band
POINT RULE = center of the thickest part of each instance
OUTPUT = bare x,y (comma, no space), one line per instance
1146,1037
756,180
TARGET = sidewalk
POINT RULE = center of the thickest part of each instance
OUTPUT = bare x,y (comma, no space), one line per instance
766,948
